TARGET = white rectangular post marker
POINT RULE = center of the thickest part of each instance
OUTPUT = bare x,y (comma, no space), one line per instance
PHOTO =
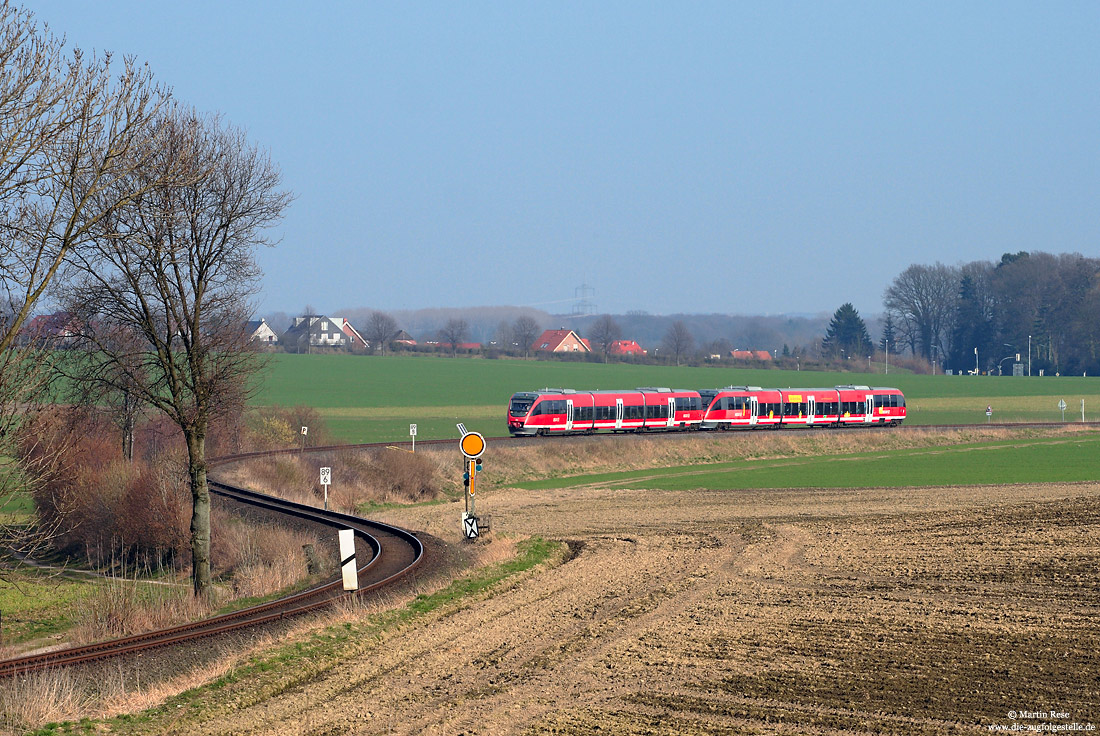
326,480
348,568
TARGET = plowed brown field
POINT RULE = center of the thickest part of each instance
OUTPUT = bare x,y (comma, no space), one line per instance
908,611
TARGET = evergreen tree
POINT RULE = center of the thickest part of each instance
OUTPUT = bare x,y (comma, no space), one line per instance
889,339
973,328
847,334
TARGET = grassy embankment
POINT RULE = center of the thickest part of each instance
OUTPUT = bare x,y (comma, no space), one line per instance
375,399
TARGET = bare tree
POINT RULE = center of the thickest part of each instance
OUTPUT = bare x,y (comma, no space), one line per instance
68,135
381,330
69,130
524,331
924,297
604,333
454,332
175,267
678,340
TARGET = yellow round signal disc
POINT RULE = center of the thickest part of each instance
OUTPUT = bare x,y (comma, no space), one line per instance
472,444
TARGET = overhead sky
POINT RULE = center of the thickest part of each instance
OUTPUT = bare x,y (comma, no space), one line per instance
694,157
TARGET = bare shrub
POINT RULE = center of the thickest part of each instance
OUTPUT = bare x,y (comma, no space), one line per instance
104,507
280,428
123,606
259,559
388,476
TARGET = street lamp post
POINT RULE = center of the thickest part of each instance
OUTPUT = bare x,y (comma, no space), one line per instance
1002,360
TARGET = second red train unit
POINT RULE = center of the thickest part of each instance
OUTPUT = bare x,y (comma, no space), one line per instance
565,411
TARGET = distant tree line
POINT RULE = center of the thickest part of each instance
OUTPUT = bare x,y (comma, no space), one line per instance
1050,302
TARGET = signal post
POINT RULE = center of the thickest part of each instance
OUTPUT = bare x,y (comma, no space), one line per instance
472,445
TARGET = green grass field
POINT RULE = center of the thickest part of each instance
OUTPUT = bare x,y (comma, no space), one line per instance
35,605
1032,460
375,399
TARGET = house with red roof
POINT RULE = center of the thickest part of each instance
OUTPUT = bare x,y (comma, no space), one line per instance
354,339
60,329
560,341
626,347
750,355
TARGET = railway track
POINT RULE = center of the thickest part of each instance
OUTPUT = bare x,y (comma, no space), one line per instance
392,553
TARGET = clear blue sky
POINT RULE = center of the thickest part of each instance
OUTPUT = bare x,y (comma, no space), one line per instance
678,157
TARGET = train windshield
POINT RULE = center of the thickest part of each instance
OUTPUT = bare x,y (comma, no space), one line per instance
521,404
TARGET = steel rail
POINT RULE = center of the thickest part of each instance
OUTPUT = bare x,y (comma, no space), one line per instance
407,555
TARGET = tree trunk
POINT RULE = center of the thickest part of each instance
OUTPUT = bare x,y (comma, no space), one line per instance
200,512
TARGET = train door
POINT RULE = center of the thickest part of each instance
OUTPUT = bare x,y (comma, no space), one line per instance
811,409
569,415
671,412
754,410
869,410
618,413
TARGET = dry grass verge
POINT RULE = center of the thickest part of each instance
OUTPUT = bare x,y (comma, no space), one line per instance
35,700
398,477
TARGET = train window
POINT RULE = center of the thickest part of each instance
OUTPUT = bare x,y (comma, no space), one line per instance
901,401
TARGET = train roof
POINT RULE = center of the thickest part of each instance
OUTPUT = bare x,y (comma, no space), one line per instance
570,391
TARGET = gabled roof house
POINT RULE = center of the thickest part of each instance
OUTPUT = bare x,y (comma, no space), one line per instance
626,347
560,341
355,340
259,330
314,331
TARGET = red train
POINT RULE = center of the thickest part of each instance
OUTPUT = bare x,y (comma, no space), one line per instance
565,411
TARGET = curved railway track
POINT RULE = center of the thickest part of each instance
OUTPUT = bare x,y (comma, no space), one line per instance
392,553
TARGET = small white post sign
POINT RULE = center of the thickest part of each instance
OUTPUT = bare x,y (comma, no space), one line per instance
347,559
412,433
1062,407
326,480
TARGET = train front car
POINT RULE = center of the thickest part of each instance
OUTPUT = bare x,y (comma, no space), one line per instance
888,405
519,409
550,411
